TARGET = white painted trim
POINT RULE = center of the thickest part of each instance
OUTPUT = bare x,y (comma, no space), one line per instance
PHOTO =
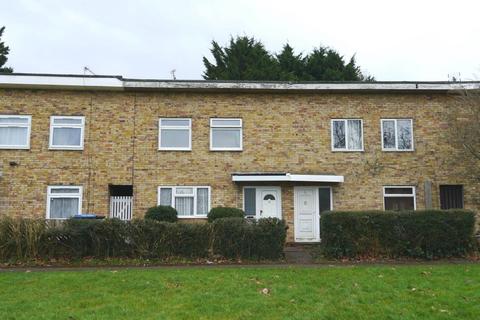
295,213
59,81
398,195
17,125
212,148
81,82
288,177
78,196
75,126
195,215
345,121
396,135
160,128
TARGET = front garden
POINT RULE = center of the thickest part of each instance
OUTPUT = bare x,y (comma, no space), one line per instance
228,237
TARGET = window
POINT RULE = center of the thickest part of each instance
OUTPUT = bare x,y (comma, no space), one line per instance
397,134
226,134
63,202
188,201
399,198
175,134
325,199
347,135
15,132
451,197
66,133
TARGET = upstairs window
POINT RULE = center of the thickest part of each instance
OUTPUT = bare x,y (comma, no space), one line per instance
347,135
399,198
175,134
397,134
15,132
451,197
226,134
66,133
190,202
63,202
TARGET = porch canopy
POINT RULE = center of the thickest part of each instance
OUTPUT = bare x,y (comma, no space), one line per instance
284,177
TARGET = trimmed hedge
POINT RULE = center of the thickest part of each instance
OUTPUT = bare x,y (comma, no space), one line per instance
249,239
162,213
28,239
224,212
426,234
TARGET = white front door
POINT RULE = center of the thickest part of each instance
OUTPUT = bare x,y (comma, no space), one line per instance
306,210
269,202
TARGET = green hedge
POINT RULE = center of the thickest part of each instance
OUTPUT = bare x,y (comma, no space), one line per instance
424,234
27,239
162,213
249,239
224,212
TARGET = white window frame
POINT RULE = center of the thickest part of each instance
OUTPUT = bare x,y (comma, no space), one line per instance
403,195
212,148
345,121
17,125
396,136
160,128
195,215
76,126
78,195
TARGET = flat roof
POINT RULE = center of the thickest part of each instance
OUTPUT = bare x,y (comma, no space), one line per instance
119,83
285,177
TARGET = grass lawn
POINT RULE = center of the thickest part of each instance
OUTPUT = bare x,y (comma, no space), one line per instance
360,292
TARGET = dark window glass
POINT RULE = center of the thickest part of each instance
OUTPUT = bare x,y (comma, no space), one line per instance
451,197
249,201
398,190
399,203
324,199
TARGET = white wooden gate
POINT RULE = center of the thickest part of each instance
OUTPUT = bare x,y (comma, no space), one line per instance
121,207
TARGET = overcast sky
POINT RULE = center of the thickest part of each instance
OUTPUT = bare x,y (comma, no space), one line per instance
392,40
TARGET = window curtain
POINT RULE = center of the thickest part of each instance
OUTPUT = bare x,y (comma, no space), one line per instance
202,201
175,138
404,130
354,134
61,208
66,136
184,206
13,136
165,196
226,137
339,134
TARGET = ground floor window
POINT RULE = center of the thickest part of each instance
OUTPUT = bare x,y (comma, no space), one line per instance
189,201
63,202
325,199
451,197
399,198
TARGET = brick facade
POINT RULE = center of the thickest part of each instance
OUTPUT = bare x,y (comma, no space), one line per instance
282,132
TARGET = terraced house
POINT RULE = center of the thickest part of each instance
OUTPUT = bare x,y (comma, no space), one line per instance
113,146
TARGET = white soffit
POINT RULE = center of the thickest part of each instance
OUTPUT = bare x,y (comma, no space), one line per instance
286,178
62,82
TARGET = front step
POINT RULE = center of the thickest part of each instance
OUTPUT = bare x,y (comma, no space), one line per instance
298,254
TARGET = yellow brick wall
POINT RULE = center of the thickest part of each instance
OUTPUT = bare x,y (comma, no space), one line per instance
281,132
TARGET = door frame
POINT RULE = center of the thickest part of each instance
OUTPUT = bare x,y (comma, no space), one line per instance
257,202
316,222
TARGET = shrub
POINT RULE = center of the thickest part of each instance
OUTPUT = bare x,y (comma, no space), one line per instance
248,239
224,212
424,234
162,213
20,238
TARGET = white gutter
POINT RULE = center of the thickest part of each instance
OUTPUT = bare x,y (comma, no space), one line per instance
287,178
